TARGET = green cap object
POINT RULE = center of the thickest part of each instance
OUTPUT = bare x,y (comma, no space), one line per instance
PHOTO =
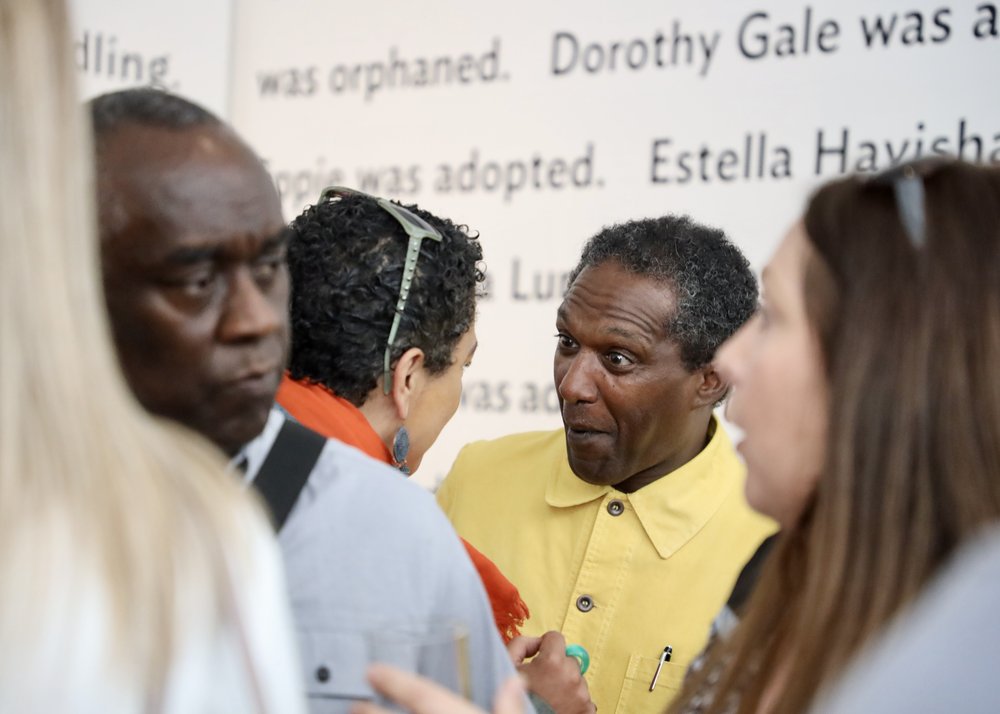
581,655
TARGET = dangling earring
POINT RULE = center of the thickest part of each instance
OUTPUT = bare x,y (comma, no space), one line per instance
400,449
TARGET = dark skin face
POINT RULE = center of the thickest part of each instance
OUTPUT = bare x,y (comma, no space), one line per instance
193,247
631,411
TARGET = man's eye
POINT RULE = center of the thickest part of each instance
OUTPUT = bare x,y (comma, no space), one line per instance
265,270
565,341
197,284
617,359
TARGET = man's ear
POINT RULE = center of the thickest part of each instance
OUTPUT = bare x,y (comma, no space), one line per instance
711,387
407,381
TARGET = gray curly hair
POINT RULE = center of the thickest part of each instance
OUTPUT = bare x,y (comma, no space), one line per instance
715,289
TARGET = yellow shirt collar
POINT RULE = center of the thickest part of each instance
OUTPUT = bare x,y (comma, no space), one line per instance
673,508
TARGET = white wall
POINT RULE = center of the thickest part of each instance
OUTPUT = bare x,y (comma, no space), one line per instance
180,45
311,91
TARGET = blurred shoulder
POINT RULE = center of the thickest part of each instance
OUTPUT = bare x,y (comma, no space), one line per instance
353,494
348,472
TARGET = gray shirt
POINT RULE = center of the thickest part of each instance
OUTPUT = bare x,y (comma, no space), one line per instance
367,550
942,654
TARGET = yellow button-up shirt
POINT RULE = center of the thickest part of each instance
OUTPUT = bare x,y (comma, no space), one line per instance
624,575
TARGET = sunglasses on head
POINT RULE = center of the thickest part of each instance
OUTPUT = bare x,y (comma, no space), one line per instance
907,183
417,229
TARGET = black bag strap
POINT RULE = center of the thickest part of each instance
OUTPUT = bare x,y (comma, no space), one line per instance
747,580
286,469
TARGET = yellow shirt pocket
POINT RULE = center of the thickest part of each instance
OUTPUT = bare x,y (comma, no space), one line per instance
635,697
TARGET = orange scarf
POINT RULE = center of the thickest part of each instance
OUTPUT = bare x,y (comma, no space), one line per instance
316,407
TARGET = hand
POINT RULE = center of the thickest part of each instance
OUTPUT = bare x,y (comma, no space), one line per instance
552,675
422,696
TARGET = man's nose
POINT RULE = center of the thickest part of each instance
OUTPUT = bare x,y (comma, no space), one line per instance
577,384
247,314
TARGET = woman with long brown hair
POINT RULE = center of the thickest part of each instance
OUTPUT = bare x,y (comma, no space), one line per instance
867,390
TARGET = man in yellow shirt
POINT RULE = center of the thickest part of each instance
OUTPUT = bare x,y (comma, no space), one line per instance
627,528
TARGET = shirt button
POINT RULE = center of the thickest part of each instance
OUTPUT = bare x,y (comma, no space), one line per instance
323,673
585,603
616,507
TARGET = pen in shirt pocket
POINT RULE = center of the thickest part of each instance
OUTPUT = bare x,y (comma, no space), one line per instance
668,651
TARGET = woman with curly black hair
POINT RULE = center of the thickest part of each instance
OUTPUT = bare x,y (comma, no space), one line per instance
383,307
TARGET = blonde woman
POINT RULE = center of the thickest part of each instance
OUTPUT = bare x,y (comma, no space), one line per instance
136,575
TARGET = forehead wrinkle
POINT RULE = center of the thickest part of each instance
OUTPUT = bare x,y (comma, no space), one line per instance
615,305
211,191
187,248
647,327
616,322
202,170
627,334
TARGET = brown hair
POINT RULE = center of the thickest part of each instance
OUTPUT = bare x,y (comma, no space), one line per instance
910,337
